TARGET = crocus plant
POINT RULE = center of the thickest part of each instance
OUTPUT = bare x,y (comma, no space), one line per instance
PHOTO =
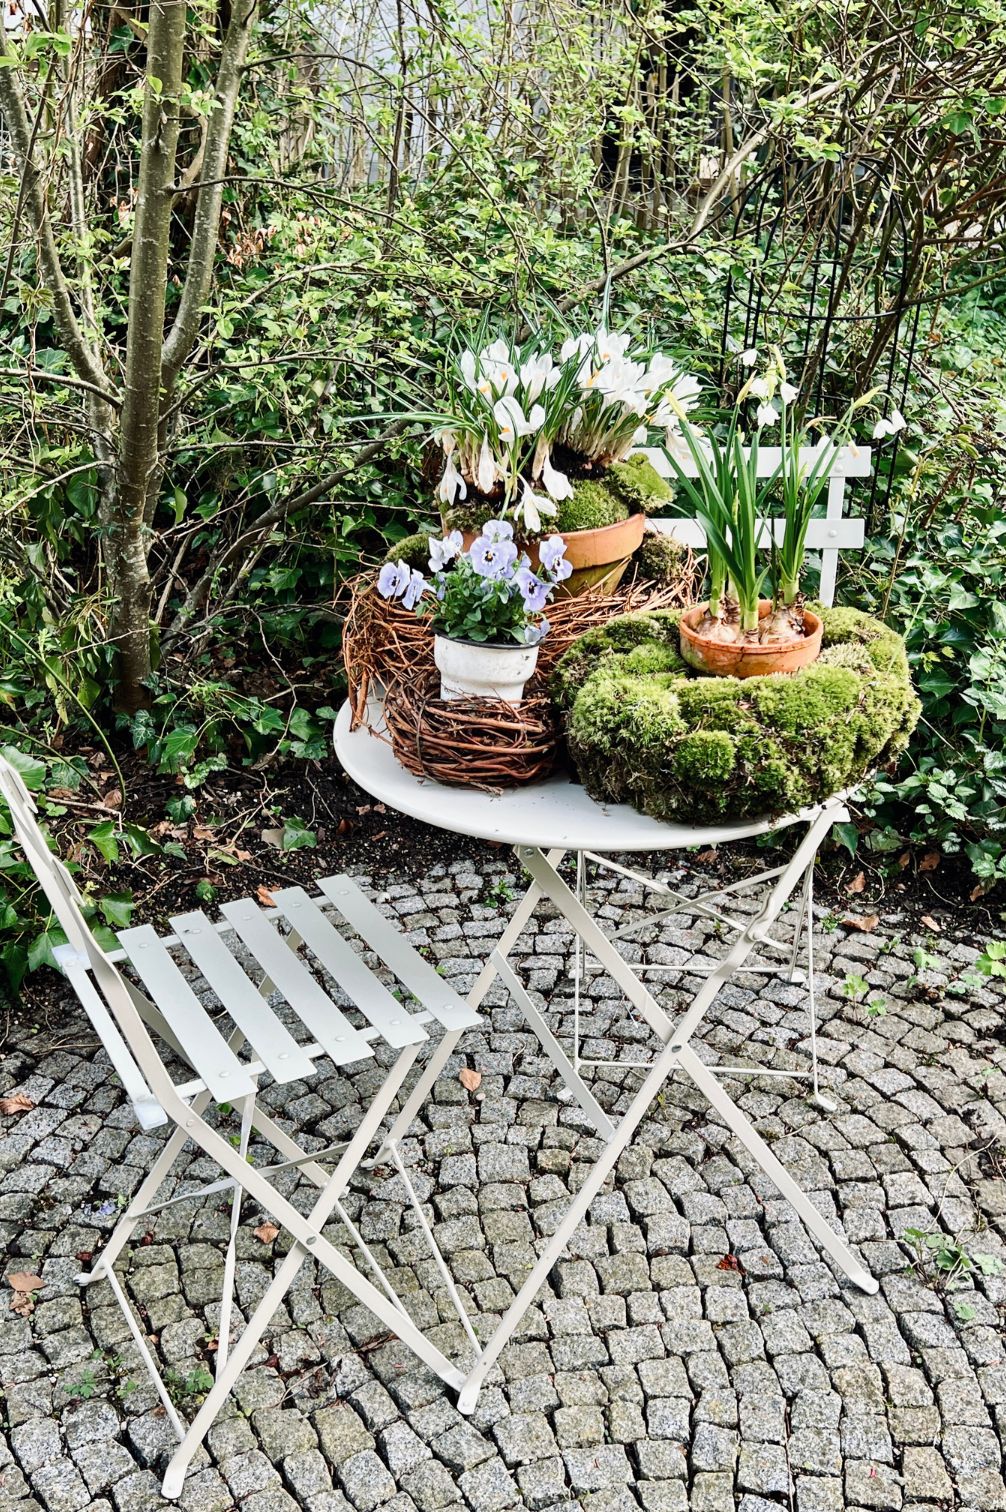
730,500
490,593
509,406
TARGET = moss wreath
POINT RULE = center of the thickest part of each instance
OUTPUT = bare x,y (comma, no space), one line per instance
644,729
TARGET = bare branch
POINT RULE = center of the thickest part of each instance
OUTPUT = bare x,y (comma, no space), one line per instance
85,360
216,145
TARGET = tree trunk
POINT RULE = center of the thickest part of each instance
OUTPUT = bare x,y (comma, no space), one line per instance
137,468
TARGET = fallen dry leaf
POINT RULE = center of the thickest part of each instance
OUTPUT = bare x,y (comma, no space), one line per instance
857,884
930,923
22,1285
865,923
471,1080
112,799
730,1263
273,837
344,826
707,855
266,1232
264,896
930,861
202,832
23,1281
18,1103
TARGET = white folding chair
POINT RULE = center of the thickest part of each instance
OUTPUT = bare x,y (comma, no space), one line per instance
298,946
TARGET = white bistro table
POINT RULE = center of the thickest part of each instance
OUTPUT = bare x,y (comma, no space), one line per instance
544,822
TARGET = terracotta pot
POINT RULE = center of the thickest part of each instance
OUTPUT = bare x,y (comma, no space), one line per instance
743,658
596,556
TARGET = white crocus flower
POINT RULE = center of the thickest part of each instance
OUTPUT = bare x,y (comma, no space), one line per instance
466,367
609,348
576,344
512,421
486,475
539,373
766,415
749,358
452,484
787,393
556,483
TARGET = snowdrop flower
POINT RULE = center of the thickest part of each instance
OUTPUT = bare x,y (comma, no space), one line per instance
787,393
766,415
758,388
748,358
557,485
452,484
532,590
891,427
393,580
492,559
442,553
552,555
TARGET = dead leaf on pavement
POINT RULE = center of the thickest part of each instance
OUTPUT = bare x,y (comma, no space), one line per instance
264,896
17,1103
865,923
471,1080
930,861
22,1284
266,1232
730,1263
930,923
857,884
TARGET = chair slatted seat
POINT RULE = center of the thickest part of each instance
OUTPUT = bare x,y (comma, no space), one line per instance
195,992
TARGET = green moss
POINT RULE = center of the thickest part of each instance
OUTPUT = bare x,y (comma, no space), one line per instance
662,559
593,504
641,486
644,729
414,550
616,638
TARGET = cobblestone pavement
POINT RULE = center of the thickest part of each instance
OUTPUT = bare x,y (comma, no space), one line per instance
692,1351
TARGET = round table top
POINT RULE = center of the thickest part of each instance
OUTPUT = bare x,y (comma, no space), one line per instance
554,813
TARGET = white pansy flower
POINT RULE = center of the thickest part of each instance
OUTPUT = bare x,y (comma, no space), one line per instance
556,483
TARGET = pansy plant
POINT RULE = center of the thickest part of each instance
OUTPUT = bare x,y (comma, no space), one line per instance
490,593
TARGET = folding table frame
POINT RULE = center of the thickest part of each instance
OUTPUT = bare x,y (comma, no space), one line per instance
675,1056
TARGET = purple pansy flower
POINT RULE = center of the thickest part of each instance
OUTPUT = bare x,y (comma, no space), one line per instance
493,559
415,587
442,553
532,590
394,580
498,530
552,555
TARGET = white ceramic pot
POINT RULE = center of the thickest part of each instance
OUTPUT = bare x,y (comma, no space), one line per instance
470,669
